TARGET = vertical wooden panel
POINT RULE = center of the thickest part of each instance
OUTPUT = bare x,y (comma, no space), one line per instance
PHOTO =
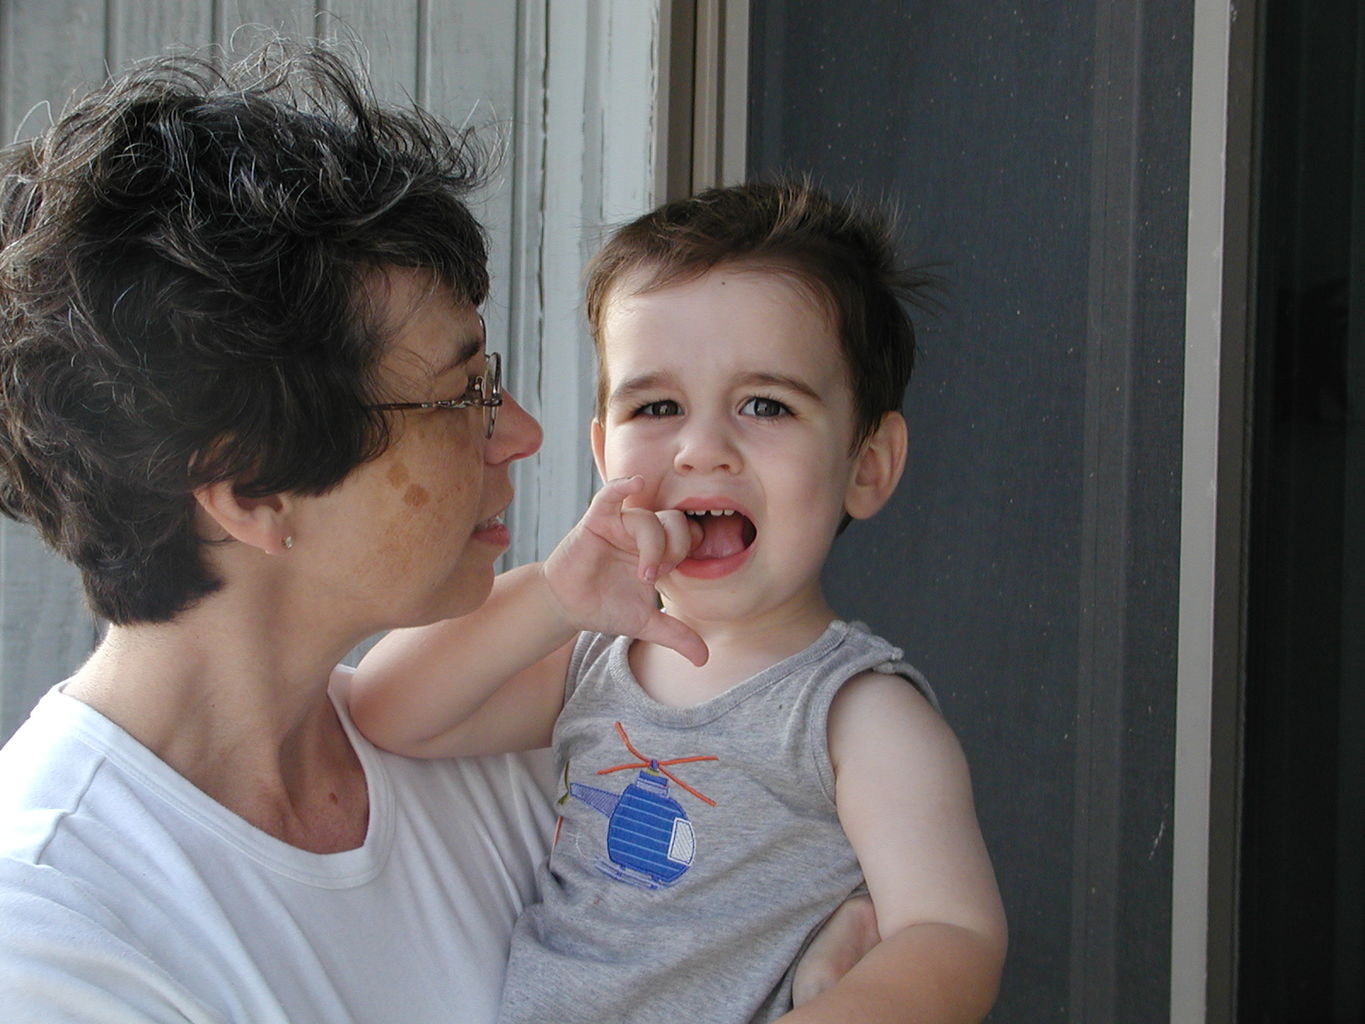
139,29
525,293
388,33
1104,542
236,19
600,125
47,52
468,72
468,62
46,631
50,50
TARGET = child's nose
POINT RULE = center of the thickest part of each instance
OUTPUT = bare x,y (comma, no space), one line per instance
707,447
516,434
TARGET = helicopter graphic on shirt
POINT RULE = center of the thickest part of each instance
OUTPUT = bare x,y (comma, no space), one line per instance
650,840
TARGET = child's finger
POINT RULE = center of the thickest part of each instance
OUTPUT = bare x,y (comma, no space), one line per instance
665,630
681,535
650,540
611,496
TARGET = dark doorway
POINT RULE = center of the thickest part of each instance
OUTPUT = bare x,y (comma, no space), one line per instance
1302,888
1038,153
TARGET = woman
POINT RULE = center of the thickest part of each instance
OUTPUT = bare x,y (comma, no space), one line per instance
225,296
244,388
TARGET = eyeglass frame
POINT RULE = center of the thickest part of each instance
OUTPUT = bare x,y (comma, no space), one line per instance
488,385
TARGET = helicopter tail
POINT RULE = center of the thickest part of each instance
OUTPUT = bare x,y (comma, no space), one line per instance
598,799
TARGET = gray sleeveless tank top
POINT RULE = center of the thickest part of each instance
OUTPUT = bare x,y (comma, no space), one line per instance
698,848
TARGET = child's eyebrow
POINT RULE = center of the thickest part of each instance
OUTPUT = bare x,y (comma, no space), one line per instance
647,382
781,380
638,384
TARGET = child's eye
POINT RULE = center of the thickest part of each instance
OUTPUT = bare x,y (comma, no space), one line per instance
763,408
666,407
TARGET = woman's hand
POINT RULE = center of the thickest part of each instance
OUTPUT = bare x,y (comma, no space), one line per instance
841,942
603,574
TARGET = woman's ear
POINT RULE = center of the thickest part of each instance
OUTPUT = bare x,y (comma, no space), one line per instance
877,468
599,447
258,522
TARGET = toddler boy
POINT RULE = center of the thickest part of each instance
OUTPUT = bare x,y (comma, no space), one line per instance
739,761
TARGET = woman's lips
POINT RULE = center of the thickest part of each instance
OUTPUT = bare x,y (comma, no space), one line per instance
493,531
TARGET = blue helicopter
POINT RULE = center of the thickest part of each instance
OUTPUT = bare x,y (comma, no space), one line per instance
650,840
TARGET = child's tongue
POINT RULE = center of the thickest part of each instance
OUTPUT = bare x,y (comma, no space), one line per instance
723,536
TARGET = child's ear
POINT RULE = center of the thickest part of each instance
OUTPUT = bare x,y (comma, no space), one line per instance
599,447
258,522
877,468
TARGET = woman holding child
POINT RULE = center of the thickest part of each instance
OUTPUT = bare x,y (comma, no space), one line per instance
244,388
220,293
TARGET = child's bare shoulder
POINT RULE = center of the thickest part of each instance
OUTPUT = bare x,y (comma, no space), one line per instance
878,714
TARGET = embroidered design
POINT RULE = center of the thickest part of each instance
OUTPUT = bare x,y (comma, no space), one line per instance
650,840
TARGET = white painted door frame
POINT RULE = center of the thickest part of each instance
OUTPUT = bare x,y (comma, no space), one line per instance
1209,670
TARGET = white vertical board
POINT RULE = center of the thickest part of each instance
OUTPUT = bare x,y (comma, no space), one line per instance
1203,928
48,52
599,155
234,17
388,36
138,29
46,630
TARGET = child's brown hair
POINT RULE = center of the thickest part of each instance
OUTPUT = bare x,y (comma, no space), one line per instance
844,255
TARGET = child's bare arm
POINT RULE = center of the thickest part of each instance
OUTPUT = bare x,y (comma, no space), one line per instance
493,680
905,802
465,686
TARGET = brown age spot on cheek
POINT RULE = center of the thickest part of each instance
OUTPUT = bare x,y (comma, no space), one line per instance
415,496
443,496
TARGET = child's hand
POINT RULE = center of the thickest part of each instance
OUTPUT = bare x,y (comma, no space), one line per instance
603,573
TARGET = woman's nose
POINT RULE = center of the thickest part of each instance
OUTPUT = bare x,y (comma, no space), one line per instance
516,434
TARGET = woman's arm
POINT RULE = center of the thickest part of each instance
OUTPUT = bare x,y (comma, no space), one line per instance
905,802
493,680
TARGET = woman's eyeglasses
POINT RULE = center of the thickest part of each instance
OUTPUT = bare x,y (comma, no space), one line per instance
484,392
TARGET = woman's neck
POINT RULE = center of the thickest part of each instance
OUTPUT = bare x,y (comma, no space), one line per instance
241,712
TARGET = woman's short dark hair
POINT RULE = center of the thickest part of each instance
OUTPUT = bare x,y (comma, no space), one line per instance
183,258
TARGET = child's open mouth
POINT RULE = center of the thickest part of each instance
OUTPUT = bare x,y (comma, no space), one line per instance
727,536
